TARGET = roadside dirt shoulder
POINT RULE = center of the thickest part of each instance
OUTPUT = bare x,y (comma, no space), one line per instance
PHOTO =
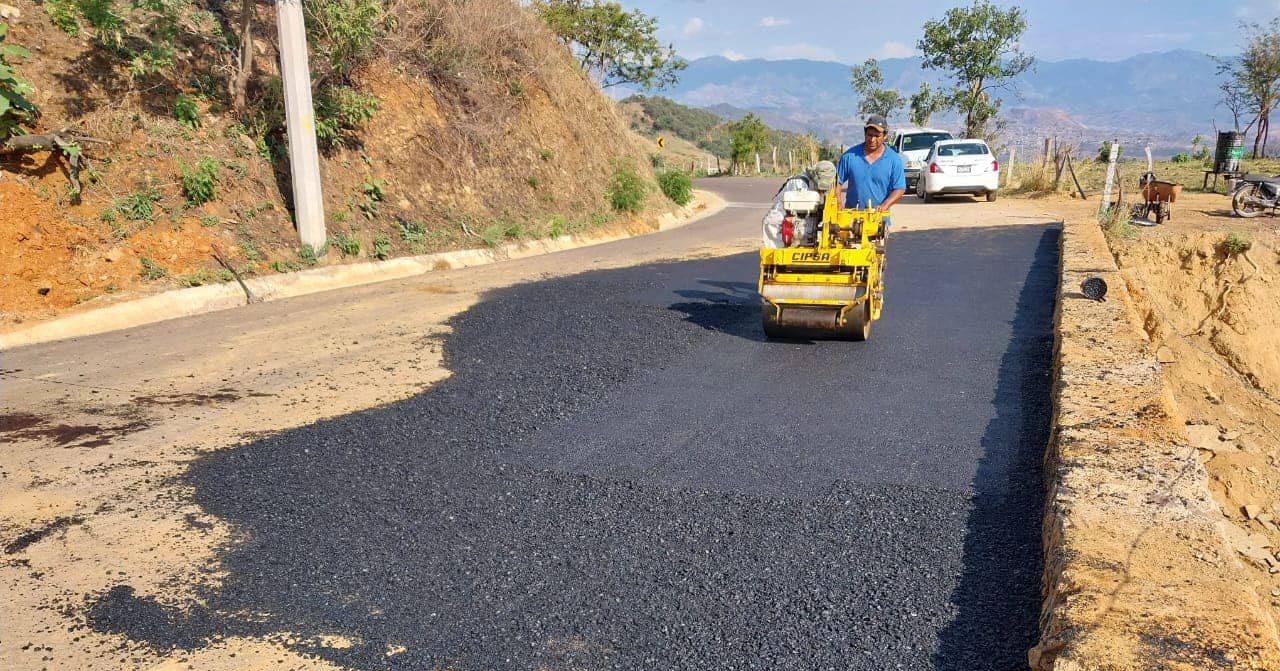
1138,571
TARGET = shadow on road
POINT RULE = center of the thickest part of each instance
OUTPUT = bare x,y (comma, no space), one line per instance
992,628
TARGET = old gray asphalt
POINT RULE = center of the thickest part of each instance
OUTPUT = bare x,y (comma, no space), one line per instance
621,473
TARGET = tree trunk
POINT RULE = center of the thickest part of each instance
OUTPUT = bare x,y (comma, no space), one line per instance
1266,134
244,63
1260,132
66,143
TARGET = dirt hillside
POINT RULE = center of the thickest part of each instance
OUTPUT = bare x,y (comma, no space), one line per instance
478,128
1206,285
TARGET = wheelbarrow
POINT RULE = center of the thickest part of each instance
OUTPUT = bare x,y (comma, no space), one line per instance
1157,196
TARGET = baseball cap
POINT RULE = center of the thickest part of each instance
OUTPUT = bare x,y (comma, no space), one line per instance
877,121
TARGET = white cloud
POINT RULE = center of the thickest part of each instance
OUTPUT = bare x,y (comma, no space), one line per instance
693,26
733,55
801,50
773,22
893,49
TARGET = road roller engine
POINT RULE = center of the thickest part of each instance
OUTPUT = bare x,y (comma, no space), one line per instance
821,266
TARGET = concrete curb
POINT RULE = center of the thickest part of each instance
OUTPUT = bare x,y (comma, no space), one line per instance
199,300
1138,573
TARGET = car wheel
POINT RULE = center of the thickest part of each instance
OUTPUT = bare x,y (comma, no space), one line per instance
991,196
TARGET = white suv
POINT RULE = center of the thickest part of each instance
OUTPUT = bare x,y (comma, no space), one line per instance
914,144
959,166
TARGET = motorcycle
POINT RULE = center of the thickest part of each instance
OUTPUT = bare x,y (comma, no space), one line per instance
1254,194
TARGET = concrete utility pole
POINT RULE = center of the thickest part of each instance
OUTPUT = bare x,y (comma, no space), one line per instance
757,163
300,118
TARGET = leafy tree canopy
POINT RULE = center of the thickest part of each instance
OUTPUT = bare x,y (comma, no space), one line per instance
747,136
925,103
979,46
873,98
616,46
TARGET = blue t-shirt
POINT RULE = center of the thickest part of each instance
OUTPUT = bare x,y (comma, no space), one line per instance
869,181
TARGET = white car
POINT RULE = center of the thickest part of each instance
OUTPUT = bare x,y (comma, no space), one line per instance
913,144
959,167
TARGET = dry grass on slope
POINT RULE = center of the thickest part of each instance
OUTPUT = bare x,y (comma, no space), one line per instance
485,131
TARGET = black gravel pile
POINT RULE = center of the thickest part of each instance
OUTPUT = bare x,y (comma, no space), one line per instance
611,479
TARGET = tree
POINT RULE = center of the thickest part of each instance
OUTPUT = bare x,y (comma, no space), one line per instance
979,46
925,103
747,136
1253,81
873,98
613,45
1233,95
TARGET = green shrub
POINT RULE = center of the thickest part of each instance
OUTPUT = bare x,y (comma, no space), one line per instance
307,254
382,246
346,244
1180,158
150,270
208,220
373,194
200,183
195,279
343,32
1105,150
15,110
186,110
559,226
249,251
138,206
412,232
677,185
64,15
1234,245
341,110
493,235
626,190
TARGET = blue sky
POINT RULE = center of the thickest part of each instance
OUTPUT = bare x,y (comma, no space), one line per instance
838,30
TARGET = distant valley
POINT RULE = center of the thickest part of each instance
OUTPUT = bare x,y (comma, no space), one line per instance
1162,98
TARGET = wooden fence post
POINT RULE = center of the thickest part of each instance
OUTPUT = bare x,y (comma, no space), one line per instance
1008,171
1112,156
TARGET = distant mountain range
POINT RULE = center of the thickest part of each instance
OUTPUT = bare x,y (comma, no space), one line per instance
1159,97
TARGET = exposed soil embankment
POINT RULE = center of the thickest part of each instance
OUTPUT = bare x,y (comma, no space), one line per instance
482,132
1139,573
1210,308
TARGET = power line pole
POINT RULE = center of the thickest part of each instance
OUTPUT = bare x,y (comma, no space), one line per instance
300,119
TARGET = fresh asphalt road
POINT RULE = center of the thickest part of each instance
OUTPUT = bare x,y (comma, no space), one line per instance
621,473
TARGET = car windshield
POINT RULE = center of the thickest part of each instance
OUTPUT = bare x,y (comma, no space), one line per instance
918,141
966,149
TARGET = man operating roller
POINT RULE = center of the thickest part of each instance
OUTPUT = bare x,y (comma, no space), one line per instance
871,175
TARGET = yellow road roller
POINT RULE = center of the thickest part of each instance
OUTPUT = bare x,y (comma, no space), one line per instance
826,278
